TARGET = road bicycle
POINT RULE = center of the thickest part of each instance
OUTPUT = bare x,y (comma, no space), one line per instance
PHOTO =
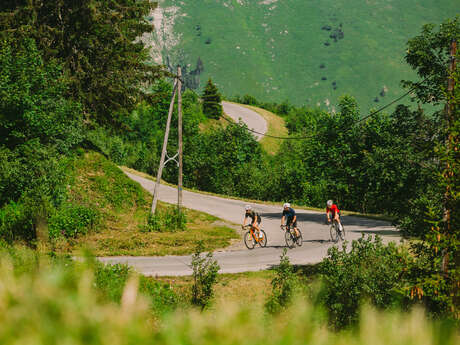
252,238
335,231
290,236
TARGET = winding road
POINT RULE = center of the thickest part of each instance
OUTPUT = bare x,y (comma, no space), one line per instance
315,235
252,119
316,238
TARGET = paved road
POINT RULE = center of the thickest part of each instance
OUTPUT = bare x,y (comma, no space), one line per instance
252,119
315,236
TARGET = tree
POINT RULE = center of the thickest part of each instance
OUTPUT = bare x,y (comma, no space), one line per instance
212,106
438,276
96,42
33,105
429,55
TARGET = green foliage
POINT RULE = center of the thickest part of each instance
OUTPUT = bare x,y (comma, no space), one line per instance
83,36
16,223
32,99
429,55
72,220
212,106
284,285
167,219
205,270
367,272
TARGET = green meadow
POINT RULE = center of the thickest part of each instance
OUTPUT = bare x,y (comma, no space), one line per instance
306,51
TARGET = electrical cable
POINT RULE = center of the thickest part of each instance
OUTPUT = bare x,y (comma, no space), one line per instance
346,129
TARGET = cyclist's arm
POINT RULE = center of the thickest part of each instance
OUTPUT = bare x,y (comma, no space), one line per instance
282,220
244,222
328,212
294,219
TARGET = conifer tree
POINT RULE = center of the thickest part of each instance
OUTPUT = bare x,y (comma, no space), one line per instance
97,42
212,106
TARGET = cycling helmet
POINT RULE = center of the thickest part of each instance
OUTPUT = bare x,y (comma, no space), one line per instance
248,207
286,204
329,203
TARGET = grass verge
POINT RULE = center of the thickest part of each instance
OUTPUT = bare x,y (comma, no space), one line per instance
124,207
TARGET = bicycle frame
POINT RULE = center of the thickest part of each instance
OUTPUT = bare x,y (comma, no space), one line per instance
252,229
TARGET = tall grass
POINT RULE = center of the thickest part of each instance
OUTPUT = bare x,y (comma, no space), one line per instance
45,303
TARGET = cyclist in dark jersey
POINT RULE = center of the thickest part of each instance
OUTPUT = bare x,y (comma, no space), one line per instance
333,210
255,219
290,217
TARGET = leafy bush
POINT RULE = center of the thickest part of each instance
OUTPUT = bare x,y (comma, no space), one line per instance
284,285
368,272
205,270
16,223
72,220
166,219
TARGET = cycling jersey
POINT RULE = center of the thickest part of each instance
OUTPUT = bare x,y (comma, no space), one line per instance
253,215
289,214
334,209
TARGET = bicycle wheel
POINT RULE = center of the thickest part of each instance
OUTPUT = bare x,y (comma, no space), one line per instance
263,241
342,234
290,240
299,240
334,233
249,240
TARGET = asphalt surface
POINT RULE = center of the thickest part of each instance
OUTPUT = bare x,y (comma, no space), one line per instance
252,119
316,238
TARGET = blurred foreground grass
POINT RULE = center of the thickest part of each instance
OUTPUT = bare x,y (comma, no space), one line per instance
46,300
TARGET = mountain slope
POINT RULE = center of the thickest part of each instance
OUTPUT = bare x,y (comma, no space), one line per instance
309,52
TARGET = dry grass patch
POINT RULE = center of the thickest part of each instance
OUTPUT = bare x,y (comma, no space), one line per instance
249,288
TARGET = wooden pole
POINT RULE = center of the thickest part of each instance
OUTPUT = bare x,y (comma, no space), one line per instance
179,126
156,191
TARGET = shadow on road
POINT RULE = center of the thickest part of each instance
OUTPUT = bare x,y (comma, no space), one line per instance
392,232
316,241
320,219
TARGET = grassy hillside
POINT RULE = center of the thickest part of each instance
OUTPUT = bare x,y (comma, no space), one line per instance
309,52
119,210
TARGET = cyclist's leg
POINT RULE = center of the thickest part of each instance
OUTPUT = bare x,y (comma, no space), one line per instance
257,226
295,229
337,218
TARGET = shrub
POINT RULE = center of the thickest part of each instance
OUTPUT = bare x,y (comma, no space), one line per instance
16,222
205,270
72,220
284,285
167,219
369,271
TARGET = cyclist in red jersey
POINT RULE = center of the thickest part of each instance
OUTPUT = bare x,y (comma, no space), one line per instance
333,210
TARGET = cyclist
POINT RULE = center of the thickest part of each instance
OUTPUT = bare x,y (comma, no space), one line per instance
290,217
255,219
333,210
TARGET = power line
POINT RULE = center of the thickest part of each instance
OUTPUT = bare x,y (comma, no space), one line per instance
344,130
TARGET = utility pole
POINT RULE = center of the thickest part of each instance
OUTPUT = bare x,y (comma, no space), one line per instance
156,191
179,129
